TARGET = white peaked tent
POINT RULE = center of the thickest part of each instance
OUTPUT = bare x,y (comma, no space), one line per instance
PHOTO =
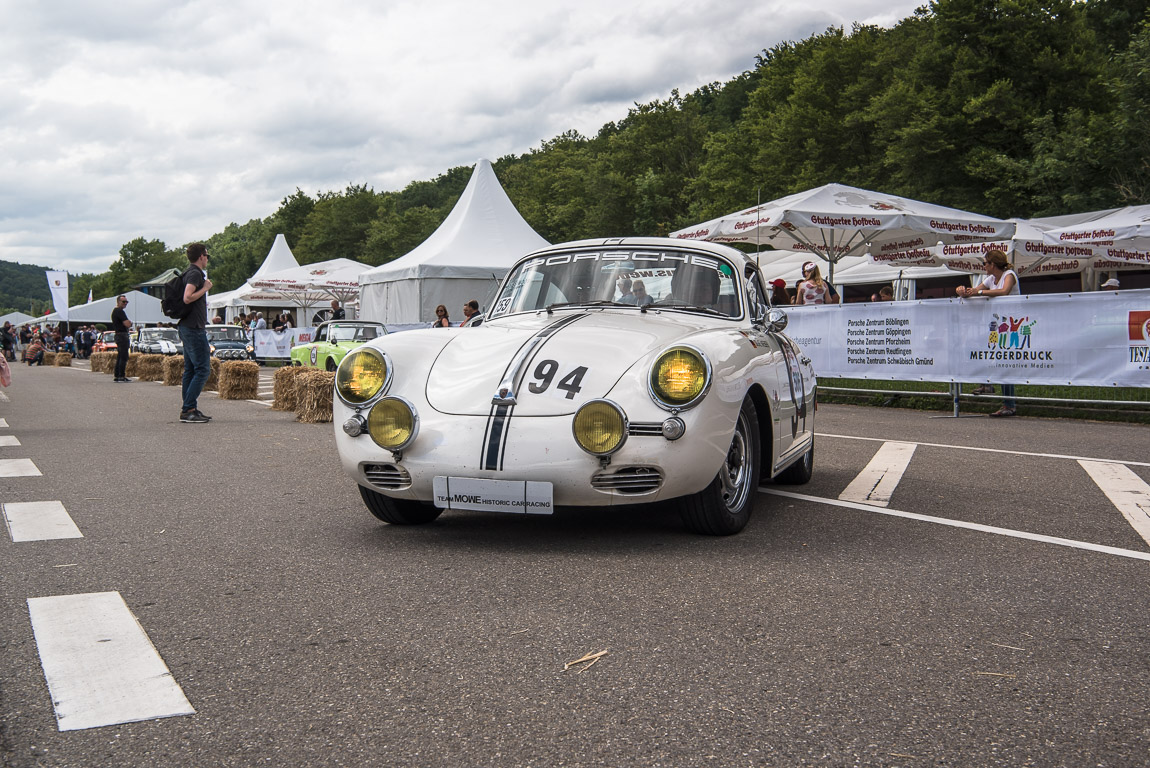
464,259
278,259
142,309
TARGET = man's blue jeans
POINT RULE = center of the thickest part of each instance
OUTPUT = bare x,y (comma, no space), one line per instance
197,365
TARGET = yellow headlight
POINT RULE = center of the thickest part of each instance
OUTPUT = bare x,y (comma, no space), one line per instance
362,376
392,423
600,427
679,377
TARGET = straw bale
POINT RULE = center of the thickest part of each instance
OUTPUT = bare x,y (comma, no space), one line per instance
284,388
49,358
132,369
173,370
314,391
214,379
150,368
239,380
103,362
63,359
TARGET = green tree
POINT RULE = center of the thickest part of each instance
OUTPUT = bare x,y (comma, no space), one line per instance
140,260
337,226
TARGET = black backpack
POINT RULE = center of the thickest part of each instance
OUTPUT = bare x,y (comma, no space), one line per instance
173,304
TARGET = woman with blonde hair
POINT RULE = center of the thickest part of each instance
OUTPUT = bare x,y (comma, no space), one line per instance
813,289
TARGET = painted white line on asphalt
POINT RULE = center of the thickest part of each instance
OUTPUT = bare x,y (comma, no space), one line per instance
261,402
877,481
3,424
1126,491
8,440
39,521
100,666
4,398
960,524
18,468
999,450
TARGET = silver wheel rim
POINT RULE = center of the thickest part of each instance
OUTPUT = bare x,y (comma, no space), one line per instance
735,474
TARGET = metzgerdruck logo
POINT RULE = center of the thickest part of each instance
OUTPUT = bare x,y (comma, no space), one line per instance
1139,323
1011,340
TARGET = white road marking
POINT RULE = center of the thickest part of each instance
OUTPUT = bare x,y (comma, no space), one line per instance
39,521
18,468
999,450
8,440
3,423
4,398
1126,490
261,402
877,481
100,666
961,524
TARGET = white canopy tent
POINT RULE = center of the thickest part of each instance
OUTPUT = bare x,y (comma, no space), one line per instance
835,221
1121,235
311,285
232,303
464,258
142,309
17,318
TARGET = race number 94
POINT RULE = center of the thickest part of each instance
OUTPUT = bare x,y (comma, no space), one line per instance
567,381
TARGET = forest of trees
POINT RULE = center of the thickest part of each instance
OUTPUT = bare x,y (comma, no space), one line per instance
1005,107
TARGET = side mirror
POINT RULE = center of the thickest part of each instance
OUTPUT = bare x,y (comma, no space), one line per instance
776,320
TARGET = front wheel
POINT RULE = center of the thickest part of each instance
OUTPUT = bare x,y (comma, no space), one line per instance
398,511
800,472
332,364
724,506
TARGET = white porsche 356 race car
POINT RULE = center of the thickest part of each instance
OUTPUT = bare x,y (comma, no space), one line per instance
608,372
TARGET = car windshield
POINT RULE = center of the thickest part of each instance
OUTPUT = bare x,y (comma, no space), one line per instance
664,279
226,333
155,334
352,332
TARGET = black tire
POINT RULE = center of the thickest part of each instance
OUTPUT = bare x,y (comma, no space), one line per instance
724,506
331,364
398,511
800,472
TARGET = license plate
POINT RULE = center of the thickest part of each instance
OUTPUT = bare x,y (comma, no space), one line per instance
481,495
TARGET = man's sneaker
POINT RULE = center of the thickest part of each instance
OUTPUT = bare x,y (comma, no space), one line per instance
193,417
203,415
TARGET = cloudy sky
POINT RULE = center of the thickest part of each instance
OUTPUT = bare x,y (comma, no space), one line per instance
169,120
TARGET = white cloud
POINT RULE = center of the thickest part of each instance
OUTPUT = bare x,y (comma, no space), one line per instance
170,120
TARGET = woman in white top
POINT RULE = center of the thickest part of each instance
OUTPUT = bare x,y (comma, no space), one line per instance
1000,280
813,290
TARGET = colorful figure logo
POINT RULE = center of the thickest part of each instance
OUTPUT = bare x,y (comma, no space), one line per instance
1010,332
1139,326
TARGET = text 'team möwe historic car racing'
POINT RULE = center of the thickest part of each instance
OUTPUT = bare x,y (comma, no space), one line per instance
608,372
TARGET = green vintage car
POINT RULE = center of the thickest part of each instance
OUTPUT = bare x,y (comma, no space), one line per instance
333,340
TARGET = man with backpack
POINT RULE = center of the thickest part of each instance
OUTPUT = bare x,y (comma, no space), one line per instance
193,333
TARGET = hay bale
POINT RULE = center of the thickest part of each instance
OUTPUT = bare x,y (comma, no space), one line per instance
103,362
132,369
284,388
314,391
63,359
49,358
214,378
239,380
150,367
173,371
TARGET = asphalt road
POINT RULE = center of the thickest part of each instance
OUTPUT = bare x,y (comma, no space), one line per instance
830,633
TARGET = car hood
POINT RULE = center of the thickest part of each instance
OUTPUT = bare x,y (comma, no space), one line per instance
570,358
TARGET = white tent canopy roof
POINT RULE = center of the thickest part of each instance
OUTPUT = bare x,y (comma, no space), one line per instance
334,274
483,234
1121,235
834,221
278,259
17,318
142,309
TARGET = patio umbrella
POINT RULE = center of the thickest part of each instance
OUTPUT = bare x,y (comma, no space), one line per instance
309,285
835,221
1120,235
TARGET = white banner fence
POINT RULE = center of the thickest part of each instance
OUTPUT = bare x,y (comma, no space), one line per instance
1078,339
277,344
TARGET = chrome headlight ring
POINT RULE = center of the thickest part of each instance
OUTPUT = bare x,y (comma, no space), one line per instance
389,371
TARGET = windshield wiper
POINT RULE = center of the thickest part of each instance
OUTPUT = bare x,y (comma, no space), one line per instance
672,304
596,303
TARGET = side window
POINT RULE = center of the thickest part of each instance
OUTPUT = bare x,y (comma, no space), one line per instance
756,296
321,334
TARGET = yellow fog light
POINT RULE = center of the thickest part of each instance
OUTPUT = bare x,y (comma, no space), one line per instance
680,377
600,427
363,374
392,423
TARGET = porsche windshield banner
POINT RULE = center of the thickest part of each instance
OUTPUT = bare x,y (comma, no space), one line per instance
1089,339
